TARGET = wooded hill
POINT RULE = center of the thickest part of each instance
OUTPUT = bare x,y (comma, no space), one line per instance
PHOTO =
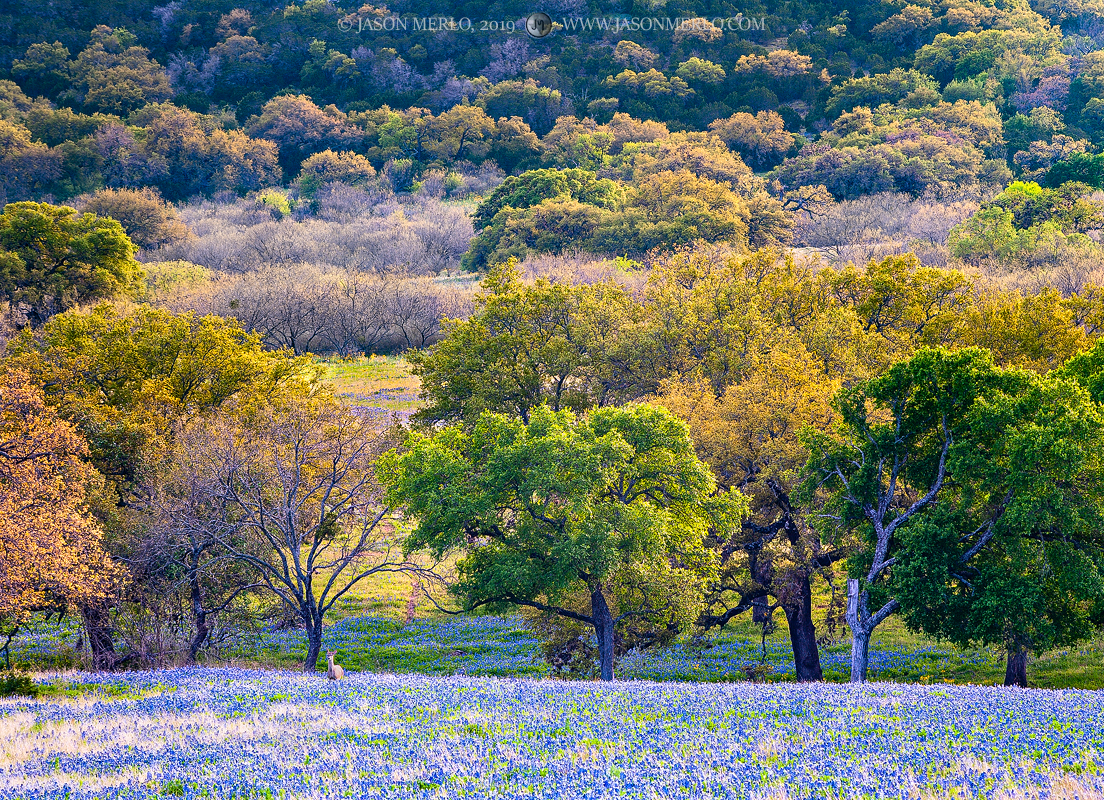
192,98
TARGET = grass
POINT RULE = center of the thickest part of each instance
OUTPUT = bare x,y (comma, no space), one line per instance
391,595
373,382
15,685
906,656
383,625
486,645
1074,668
66,686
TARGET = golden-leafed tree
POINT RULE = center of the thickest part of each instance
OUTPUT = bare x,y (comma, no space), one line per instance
749,437
147,219
51,549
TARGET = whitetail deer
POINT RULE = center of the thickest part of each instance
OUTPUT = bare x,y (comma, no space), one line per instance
334,672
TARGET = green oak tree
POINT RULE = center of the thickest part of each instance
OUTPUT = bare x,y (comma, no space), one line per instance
966,493
614,504
886,463
530,188
556,343
52,258
1012,555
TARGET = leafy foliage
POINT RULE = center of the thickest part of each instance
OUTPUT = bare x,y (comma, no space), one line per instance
969,494
51,258
217,98
1026,220
51,548
526,346
536,186
15,685
124,378
614,505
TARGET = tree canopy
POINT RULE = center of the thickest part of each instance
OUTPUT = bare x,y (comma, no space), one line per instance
124,378
53,258
52,554
528,345
614,504
967,493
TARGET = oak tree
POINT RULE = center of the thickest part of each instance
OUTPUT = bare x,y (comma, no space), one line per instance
969,495
614,504
53,258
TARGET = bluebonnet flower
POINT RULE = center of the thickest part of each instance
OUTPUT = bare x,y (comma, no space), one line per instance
224,733
237,733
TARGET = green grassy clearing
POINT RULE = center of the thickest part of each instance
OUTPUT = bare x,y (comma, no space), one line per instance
1071,668
376,628
379,381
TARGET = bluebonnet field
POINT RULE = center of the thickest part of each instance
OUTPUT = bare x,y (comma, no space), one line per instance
236,733
502,646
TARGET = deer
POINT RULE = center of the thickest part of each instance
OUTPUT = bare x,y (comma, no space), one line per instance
334,671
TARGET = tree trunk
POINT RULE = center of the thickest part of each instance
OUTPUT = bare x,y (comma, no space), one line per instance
1015,673
314,642
203,630
603,629
860,633
101,644
860,655
799,619
203,626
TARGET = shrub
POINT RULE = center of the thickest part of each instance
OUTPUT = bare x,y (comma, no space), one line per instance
14,685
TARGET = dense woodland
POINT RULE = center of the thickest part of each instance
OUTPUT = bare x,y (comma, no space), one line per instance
706,319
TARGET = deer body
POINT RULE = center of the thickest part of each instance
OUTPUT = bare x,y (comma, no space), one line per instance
334,672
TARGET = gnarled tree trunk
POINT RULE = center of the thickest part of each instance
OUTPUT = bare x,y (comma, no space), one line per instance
862,624
314,639
860,655
860,633
1015,672
603,630
203,626
799,619
101,642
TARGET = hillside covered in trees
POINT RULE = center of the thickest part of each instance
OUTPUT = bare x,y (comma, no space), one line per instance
943,98
382,139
